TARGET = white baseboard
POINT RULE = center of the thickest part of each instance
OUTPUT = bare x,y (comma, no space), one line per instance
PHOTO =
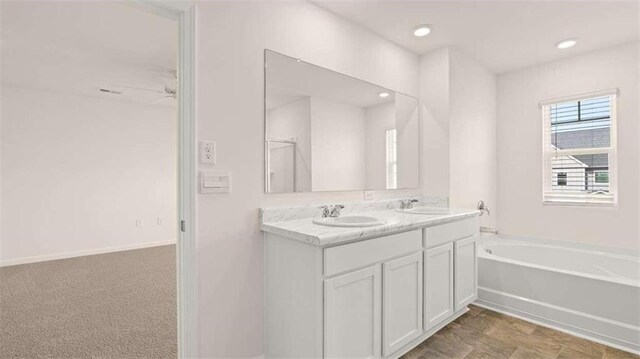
88,252
604,331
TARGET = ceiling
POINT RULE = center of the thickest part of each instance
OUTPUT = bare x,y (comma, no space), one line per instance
80,47
502,35
288,79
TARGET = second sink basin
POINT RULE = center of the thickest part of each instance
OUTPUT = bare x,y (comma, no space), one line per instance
349,221
426,210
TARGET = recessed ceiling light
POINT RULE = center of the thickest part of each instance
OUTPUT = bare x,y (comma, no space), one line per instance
565,44
422,30
383,94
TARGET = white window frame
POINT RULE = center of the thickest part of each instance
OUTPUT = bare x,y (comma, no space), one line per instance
391,159
548,153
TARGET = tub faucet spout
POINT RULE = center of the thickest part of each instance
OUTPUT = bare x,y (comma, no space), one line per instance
483,208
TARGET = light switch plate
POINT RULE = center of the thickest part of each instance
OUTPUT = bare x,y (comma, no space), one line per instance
215,181
208,152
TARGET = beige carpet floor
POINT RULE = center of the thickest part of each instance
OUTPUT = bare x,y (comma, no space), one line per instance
115,305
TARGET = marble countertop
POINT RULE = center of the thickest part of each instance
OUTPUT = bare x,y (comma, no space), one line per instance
303,229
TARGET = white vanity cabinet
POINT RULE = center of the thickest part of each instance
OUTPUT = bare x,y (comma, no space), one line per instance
450,269
355,320
371,298
466,271
402,302
374,311
438,284
352,314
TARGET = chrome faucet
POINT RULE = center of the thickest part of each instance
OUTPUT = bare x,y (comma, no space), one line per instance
325,211
331,211
335,210
407,203
483,208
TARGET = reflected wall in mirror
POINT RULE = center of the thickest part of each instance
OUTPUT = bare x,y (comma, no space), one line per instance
325,131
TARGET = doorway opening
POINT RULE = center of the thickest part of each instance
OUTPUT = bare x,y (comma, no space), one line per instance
97,180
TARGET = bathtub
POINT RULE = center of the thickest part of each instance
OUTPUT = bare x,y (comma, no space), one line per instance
587,291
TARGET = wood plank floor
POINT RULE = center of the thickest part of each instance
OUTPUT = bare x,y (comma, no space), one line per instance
482,333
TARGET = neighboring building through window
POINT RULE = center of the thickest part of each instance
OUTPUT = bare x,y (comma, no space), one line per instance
602,176
580,149
392,159
562,179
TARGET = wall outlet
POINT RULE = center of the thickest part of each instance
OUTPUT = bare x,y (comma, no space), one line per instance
208,152
160,221
139,223
368,195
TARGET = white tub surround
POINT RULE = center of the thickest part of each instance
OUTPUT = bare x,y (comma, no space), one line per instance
588,291
334,292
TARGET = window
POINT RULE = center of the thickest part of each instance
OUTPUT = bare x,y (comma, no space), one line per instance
562,179
579,149
602,176
391,159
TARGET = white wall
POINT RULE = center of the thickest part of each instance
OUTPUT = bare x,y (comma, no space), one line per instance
338,146
1,147
379,119
458,98
434,99
520,153
281,168
408,141
472,135
231,39
77,172
293,120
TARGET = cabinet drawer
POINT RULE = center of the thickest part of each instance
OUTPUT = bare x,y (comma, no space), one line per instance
350,256
445,233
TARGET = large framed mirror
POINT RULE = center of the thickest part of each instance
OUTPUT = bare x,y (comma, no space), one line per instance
326,131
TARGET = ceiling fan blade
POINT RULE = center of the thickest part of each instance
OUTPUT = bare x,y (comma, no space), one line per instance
138,88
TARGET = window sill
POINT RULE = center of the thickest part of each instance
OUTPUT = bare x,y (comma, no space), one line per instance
580,204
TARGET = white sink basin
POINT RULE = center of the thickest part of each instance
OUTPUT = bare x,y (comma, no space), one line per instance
349,221
426,210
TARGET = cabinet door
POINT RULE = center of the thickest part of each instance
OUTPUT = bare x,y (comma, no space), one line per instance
353,314
438,284
402,303
466,271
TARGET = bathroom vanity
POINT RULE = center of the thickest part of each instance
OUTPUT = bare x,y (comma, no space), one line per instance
374,281
365,292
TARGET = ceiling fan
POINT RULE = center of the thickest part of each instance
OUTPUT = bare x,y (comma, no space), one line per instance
166,92
169,89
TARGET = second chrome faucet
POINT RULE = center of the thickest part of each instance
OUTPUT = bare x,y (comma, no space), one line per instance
331,211
407,203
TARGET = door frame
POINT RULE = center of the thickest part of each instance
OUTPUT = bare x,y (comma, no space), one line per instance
184,13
